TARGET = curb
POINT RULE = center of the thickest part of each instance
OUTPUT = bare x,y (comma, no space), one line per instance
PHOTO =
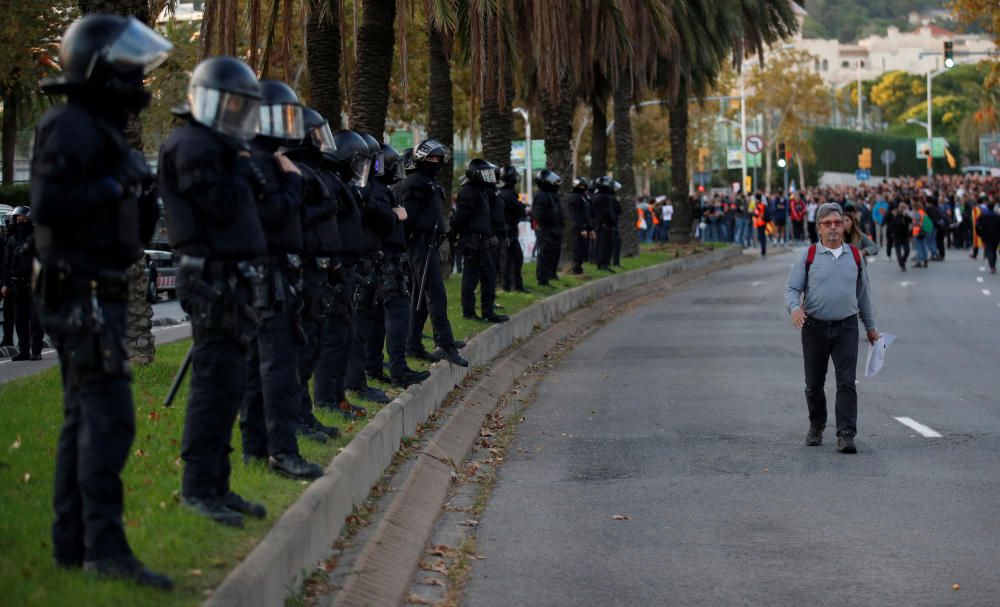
303,534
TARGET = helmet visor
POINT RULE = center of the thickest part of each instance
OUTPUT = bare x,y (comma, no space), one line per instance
224,112
399,171
378,166
360,166
322,138
488,175
136,46
281,121
616,186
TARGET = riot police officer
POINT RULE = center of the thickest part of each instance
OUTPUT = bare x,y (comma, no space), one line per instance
208,188
377,221
547,213
392,281
322,289
15,276
581,216
8,303
498,225
472,231
423,198
605,220
269,417
94,208
514,213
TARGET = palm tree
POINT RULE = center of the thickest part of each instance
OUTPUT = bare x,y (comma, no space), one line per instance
323,40
441,113
139,338
376,42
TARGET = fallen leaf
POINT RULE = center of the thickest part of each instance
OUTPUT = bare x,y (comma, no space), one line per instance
433,581
140,453
131,522
478,557
163,505
485,432
522,418
442,550
17,443
955,587
153,415
620,517
416,600
469,523
328,566
440,567
194,572
27,477
177,462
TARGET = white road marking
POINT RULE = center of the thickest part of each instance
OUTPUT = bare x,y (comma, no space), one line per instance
756,283
979,279
922,429
155,330
904,283
44,352
986,292
982,268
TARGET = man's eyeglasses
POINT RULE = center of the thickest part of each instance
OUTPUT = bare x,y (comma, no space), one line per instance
833,223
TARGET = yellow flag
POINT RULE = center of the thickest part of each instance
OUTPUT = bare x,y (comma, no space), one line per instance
951,159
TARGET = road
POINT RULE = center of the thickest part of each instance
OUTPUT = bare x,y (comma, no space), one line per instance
163,311
687,418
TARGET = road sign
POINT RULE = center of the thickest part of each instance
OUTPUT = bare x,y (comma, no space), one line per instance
734,157
754,144
862,174
888,157
937,149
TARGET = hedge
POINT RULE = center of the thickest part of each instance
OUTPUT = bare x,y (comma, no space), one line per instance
15,195
838,149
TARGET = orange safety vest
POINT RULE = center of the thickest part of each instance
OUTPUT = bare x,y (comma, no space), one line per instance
758,219
918,222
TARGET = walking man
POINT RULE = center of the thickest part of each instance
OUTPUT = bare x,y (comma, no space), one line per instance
825,306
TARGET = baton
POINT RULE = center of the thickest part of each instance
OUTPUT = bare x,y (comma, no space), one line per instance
431,250
178,379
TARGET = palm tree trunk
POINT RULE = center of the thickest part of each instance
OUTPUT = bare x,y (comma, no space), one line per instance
323,60
10,107
496,118
557,110
624,172
599,138
370,85
139,340
441,117
680,227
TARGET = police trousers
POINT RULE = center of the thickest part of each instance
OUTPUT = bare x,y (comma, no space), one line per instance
433,303
479,270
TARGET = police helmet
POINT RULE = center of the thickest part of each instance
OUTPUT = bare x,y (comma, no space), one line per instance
317,129
548,178
430,149
224,95
350,155
21,211
481,171
607,184
581,183
406,159
280,112
108,53
375,153
393,169
509,176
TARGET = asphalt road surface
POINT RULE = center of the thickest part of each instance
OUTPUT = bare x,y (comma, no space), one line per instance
687,416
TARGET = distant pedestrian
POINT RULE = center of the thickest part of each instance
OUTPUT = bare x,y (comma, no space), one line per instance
988,228
827,290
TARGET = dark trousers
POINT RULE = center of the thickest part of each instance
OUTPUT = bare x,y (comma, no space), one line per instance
902,252
822,341
513,261
605,244
363,317
798,233
272,396
434,302
580,246
990,250
8,319
218,376
29,327
616,247
762,239
479,271
334,339
94,442
939,236
813,235
547,258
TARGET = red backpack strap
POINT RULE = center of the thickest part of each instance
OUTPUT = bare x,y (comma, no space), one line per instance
857,256
810,256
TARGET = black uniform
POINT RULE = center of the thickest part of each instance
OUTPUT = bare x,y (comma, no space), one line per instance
422,198
269,413
548,216
616,234
8,302
471,227
208,194
18,257
606,223
498,226
92,219
513,258
581,216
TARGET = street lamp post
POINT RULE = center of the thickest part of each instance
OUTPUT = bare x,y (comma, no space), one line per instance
743,131
528,170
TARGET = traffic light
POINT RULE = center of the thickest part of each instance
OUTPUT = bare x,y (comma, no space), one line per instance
782,158
865,158
949,54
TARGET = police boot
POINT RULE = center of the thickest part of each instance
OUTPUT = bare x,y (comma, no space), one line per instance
319,426
21,355
409,377
311,434
128,568
378,375
424,355
371,394
294,466
497,318
235,502
459,344
451,355
215,510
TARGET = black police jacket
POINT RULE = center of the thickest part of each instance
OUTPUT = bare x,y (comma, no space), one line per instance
514,212
394,241
208,195
17,258
377,217
498,217
320,229
422,198
278,203
348,218
84,215
547,211
579,212
471,219
604,210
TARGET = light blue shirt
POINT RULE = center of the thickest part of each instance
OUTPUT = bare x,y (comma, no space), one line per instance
837,289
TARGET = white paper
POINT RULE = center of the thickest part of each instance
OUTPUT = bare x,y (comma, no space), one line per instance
876,354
